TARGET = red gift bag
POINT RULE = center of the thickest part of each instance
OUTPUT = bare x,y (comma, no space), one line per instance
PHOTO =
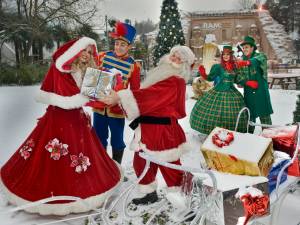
294,168
284,138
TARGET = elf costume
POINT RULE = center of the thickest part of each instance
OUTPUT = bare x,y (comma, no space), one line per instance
254,79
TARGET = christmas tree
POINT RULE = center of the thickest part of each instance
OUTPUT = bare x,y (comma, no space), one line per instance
170,30
297,111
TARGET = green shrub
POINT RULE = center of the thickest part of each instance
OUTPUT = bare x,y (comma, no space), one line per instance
26,74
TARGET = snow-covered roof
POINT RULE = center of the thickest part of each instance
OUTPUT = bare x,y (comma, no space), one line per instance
221,13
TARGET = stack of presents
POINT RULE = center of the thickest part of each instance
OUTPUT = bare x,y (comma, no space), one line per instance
246,167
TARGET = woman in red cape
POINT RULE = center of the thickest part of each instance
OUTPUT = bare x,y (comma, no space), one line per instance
62,156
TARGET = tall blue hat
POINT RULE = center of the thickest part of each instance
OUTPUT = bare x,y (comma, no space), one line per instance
124,32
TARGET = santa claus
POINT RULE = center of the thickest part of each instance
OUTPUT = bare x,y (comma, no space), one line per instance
155,110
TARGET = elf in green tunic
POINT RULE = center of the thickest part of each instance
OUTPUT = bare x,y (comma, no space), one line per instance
220,105
254,79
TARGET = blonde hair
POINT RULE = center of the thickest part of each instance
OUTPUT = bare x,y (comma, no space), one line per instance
77,66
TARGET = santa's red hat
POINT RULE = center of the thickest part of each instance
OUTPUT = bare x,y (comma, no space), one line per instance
67,53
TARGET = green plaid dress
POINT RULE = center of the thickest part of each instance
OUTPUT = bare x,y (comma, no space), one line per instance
220,105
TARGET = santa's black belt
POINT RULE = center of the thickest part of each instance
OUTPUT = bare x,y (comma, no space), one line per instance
149,120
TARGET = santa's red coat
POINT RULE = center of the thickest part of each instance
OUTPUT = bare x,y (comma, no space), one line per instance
165,98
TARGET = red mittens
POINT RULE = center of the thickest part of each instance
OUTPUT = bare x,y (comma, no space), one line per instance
242,63
202,72
252,83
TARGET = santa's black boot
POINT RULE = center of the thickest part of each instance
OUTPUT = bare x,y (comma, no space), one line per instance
147,199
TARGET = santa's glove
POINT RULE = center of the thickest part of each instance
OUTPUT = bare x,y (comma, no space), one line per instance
252,83
118,83
202,72
242,63
95,104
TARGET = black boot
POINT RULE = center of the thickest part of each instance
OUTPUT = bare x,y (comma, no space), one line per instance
117,155
148,199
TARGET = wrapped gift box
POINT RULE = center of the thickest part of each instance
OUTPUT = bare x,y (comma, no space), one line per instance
228,209
247,154
97,83
284,138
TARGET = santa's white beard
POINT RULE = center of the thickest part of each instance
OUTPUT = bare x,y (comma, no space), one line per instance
164,70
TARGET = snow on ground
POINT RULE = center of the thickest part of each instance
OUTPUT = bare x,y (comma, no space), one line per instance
19,113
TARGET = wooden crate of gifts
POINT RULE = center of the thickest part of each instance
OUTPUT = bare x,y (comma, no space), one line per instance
238,153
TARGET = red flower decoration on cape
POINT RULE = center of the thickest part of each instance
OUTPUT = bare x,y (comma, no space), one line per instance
26,150
56,149
81,162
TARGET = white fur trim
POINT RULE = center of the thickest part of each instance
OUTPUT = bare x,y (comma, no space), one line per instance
129,104
147,188
173,189
64,102
166,155
80,206
78,46
169,155
177,199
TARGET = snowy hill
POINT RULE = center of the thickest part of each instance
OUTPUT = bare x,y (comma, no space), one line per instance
278,38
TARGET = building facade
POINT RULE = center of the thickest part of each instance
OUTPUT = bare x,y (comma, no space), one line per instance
228,28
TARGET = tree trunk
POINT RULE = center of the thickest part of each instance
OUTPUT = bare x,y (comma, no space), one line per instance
34,51
41,52
0,54
17,49
26,50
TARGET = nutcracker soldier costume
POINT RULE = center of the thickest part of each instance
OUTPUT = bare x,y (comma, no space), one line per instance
112,118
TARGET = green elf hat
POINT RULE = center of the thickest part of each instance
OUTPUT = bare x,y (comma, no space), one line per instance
227,48
248,40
